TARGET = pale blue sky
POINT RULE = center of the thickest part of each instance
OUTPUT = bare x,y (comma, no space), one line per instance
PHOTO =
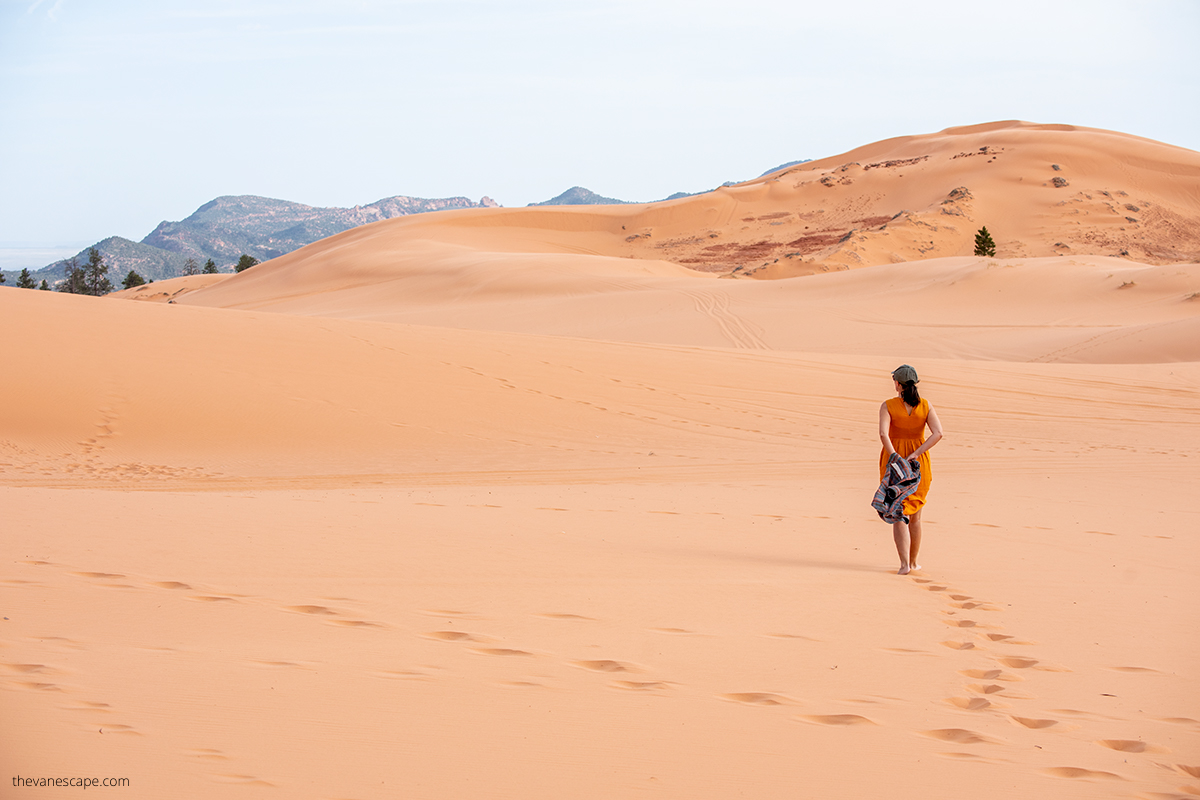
117,114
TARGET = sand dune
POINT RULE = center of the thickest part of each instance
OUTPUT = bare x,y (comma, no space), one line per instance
916,197
476,504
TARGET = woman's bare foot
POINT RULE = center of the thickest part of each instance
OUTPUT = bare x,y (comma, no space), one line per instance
904,570
916,567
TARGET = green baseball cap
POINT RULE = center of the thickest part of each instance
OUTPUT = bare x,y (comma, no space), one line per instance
905,374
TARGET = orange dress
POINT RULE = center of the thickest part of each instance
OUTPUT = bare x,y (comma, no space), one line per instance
907,432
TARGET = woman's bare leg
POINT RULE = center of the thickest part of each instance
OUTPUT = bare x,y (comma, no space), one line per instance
914,539
900,534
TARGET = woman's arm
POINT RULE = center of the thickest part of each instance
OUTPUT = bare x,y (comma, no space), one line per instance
935,434
885,424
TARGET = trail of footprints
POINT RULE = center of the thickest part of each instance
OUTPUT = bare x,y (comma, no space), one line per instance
986,690
992,690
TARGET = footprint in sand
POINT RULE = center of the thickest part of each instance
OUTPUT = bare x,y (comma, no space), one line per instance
317,610
207,754
959,736
1079,773
1187,769
989,675
26,669
960,623
451,636
1132,746
1033,723
986,688
171,585
1018,663
444,612
837,720
756,698
579,617
641,686
605,665
500,651
969,703
959,645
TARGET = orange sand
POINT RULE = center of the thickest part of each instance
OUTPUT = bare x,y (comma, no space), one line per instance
474,505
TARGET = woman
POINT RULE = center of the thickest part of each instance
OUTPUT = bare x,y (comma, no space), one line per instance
902,423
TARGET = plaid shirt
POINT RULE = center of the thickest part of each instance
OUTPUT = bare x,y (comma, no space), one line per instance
899,481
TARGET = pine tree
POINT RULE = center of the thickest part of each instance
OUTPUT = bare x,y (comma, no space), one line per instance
25,280
96,275
190,267
2,277
984,246
73,277
133,279
244,263
45,287
210,267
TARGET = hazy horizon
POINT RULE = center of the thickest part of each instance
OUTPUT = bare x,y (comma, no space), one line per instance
123,116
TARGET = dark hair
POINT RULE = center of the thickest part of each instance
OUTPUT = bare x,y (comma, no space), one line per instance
909,394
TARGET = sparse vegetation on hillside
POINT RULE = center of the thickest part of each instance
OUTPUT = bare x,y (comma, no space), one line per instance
984,246
96,275
72,282
91,278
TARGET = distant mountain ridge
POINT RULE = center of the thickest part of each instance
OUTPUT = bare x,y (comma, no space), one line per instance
228,226
224,228
579,196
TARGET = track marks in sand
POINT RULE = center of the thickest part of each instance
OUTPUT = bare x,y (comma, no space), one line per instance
739,332
990,683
